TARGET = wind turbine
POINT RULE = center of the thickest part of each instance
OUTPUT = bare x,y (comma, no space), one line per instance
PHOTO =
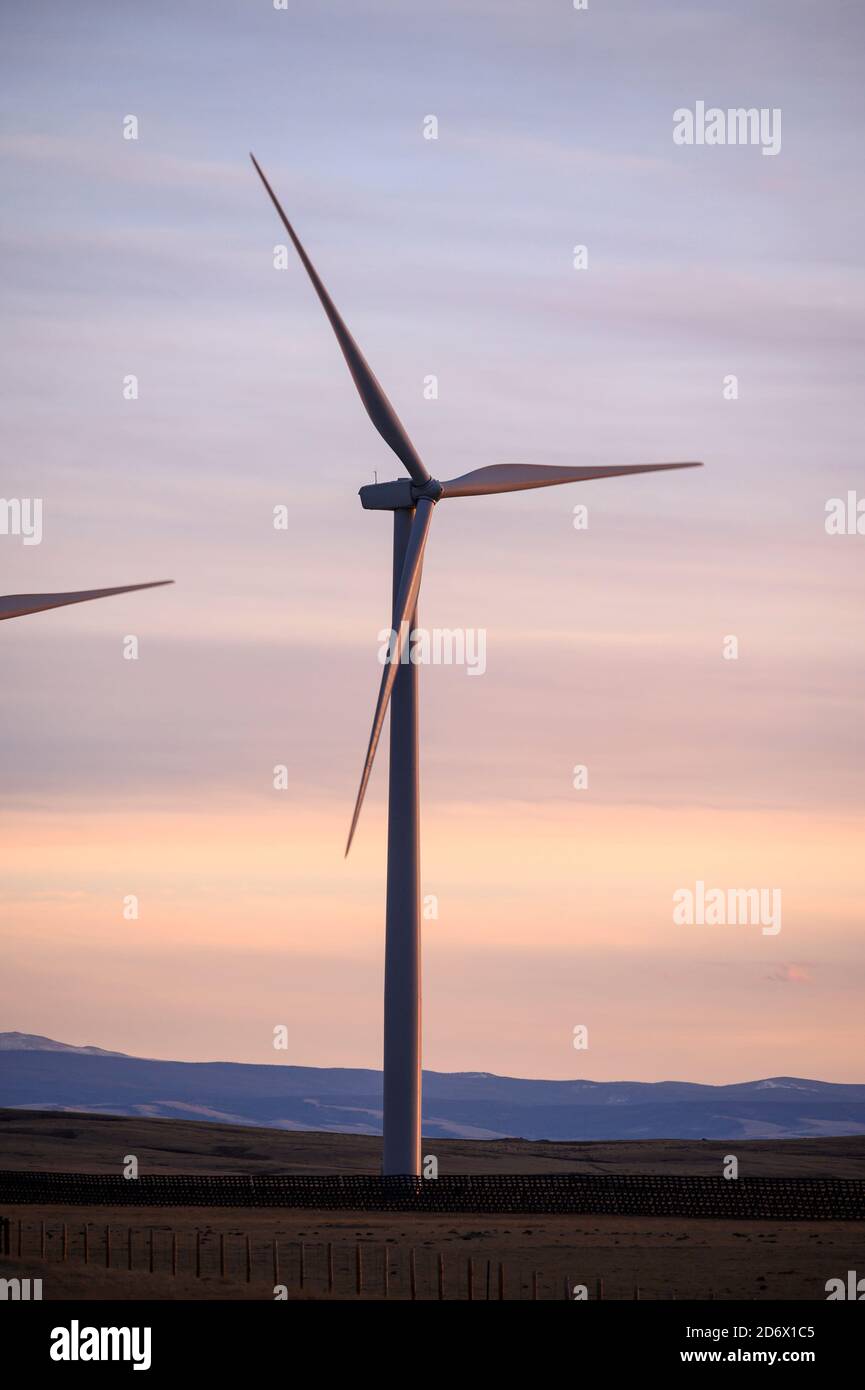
20,605
412,501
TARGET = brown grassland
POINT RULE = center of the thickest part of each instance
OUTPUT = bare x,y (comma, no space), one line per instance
663,1257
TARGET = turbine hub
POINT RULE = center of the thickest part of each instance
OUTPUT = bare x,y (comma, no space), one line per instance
431,489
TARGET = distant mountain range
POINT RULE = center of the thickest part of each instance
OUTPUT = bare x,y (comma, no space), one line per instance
32,1042
40,1074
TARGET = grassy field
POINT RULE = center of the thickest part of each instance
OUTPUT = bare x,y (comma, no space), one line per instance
664,1257
98,1143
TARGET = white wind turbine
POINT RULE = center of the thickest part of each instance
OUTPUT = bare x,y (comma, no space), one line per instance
412,501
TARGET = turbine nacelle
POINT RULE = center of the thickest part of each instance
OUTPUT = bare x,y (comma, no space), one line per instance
398,495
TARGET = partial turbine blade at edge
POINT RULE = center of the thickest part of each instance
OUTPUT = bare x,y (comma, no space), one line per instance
376,403
19,605
517,477
409,585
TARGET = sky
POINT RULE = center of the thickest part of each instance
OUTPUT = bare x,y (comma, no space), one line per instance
607,646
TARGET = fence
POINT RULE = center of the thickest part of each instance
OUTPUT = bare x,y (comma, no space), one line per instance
363,1269
776,1199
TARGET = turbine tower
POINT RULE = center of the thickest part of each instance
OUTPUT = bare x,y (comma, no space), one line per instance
412,501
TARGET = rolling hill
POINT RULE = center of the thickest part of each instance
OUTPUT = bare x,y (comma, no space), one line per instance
39,1073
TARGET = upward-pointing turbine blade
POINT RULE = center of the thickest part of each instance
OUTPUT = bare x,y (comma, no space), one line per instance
378,407
517,477
404,607
19,605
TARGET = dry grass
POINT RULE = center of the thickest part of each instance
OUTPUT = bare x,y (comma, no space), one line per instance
97,1144
664,1256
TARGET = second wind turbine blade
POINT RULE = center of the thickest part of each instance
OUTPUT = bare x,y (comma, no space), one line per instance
376,403
518,477
404,607
19,605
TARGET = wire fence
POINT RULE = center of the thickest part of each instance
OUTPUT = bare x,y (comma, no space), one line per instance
754,1198
283,1268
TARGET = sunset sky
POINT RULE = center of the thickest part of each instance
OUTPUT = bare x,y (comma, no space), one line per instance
451,257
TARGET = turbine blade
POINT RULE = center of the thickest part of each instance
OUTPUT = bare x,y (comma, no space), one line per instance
404,607
378,407
19,605
517,477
